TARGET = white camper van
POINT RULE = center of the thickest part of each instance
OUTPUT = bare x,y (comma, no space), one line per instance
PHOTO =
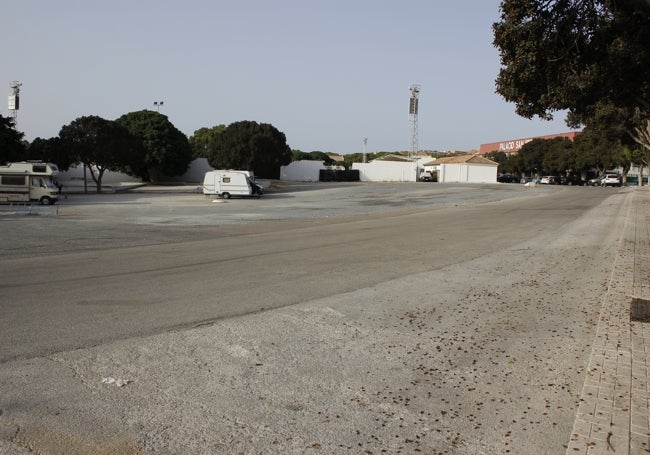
28,181
231,183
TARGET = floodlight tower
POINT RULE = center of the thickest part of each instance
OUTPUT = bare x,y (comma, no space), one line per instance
413,115
365,149
14,101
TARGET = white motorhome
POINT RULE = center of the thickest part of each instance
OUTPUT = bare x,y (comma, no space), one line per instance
231,183
28,181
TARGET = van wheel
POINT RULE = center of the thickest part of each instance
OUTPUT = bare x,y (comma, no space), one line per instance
225,195
45,200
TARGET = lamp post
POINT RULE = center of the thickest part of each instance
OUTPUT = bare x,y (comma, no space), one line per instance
158,104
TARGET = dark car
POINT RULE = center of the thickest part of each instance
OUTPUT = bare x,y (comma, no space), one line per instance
507,178
571,180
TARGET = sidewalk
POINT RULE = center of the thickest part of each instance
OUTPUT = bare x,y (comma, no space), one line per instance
614,413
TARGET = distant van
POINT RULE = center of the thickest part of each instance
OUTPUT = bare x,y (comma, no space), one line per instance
231,183
29,181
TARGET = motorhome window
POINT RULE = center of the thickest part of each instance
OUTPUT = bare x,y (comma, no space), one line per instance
12,180
39,168
226,180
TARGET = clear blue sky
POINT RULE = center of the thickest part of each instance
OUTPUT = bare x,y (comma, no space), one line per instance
327,73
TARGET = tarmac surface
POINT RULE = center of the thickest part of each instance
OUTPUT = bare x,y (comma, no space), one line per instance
389,368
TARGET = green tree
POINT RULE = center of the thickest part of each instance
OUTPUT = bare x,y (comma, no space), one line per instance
597,150
249,145
167,150
11,145
574,54
558,156
531,156
100,145
508,163
52,151
202,138
639,158
297,155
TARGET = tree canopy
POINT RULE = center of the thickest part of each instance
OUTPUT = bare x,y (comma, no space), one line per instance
576,55
249,145
297,155
52,151
11,145
168,151
100,145
201,139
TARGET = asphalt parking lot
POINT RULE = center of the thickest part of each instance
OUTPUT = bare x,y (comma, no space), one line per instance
355,318
155,214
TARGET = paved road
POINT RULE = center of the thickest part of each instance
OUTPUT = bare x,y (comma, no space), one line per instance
437,312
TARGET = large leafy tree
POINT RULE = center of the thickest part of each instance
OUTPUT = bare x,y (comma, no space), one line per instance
574,55
52,151
508,163
531,156
596,149
100,145
168,152
249,145
202,138
11,144
558,159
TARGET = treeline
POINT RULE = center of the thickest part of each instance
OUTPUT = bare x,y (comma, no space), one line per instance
147,145
560,156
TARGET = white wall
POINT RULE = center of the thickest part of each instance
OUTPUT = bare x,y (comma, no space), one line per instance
482,173
75,175
194,173
302,171
467,173
386,171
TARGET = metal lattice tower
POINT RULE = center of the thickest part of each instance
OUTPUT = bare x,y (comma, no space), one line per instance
14,101
413,115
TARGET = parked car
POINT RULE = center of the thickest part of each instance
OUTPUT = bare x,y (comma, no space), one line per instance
547,180
571,180
611,180
506,178
595,181
426,176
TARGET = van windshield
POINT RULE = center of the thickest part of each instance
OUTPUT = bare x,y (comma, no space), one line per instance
42,182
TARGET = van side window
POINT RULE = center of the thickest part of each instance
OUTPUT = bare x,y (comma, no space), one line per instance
226,180
12,180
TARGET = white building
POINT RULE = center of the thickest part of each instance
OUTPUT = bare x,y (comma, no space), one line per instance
302,171
464,169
